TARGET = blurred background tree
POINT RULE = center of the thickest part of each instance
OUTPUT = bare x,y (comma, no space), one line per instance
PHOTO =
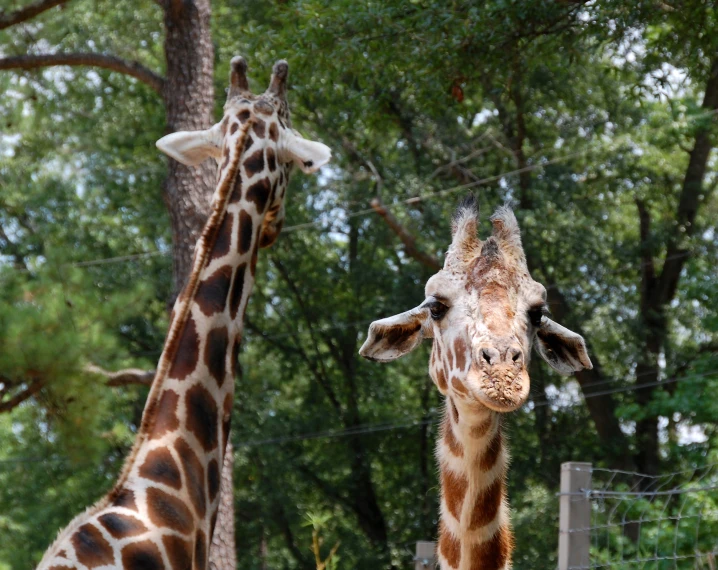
595,120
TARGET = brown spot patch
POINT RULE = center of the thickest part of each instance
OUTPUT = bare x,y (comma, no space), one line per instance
486,508
212,293
489,457
91,548
264,107
480,430
273,132
244,241
253,262
124,498
194,476
235,297
142,555
179,552
233,128
213,479
215,353
494,553
187,352
120,526
454,411
451,442
227,417
254,163
271,160
259,193
159,466
223,241
235,356
201,414
213,523
460,351
200,551
458,386
243,116
441,379
168,511
166,419
259,128
453,488
450,547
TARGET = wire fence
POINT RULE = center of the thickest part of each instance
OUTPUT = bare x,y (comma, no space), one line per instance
620,519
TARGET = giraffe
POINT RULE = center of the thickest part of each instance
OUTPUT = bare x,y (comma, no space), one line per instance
484,312
161,513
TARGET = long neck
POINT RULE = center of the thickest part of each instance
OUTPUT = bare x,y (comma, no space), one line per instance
475,532
180,446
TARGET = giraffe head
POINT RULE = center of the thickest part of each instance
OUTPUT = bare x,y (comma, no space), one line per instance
271,146
484,312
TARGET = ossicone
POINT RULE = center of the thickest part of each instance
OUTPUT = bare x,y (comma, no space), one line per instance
464,225
278,83
238,83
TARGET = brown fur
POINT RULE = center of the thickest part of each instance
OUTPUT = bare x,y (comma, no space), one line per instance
453,488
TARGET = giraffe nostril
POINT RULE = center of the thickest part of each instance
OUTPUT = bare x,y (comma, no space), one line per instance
515,354
489,355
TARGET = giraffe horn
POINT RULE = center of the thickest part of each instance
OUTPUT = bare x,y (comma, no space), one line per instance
237,77
278,84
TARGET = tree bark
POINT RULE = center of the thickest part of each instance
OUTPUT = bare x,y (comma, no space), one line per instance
189,101
222,552
657,292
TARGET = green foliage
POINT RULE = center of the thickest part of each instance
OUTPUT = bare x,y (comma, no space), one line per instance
415,99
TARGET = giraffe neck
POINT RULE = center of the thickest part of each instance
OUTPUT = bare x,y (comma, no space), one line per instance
474,530
162,510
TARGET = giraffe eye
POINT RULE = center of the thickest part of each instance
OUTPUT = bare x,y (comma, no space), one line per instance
535,315
437,309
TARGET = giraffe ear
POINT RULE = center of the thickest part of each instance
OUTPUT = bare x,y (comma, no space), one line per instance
192,147
390,338
564,350
308,155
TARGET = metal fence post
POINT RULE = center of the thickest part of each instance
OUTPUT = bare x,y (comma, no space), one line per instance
574,539
425,558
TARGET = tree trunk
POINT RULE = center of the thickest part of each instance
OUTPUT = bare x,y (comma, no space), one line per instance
657,291
189,102
222,552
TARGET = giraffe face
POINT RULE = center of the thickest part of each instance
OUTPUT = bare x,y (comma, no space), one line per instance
484,312
269,150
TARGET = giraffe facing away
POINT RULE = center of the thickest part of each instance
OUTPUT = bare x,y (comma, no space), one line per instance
484,312
161,513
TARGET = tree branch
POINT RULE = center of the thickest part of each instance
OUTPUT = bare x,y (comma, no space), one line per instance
123,377
119,65
691,194
29,11
20,397
406,238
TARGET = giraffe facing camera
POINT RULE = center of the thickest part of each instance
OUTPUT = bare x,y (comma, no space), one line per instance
162,511
484,313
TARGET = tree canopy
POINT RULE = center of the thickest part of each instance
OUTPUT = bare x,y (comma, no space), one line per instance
595,121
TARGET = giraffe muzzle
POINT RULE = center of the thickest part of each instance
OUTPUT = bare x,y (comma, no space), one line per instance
499,379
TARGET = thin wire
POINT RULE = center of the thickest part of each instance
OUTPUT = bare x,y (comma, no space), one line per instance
673,506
